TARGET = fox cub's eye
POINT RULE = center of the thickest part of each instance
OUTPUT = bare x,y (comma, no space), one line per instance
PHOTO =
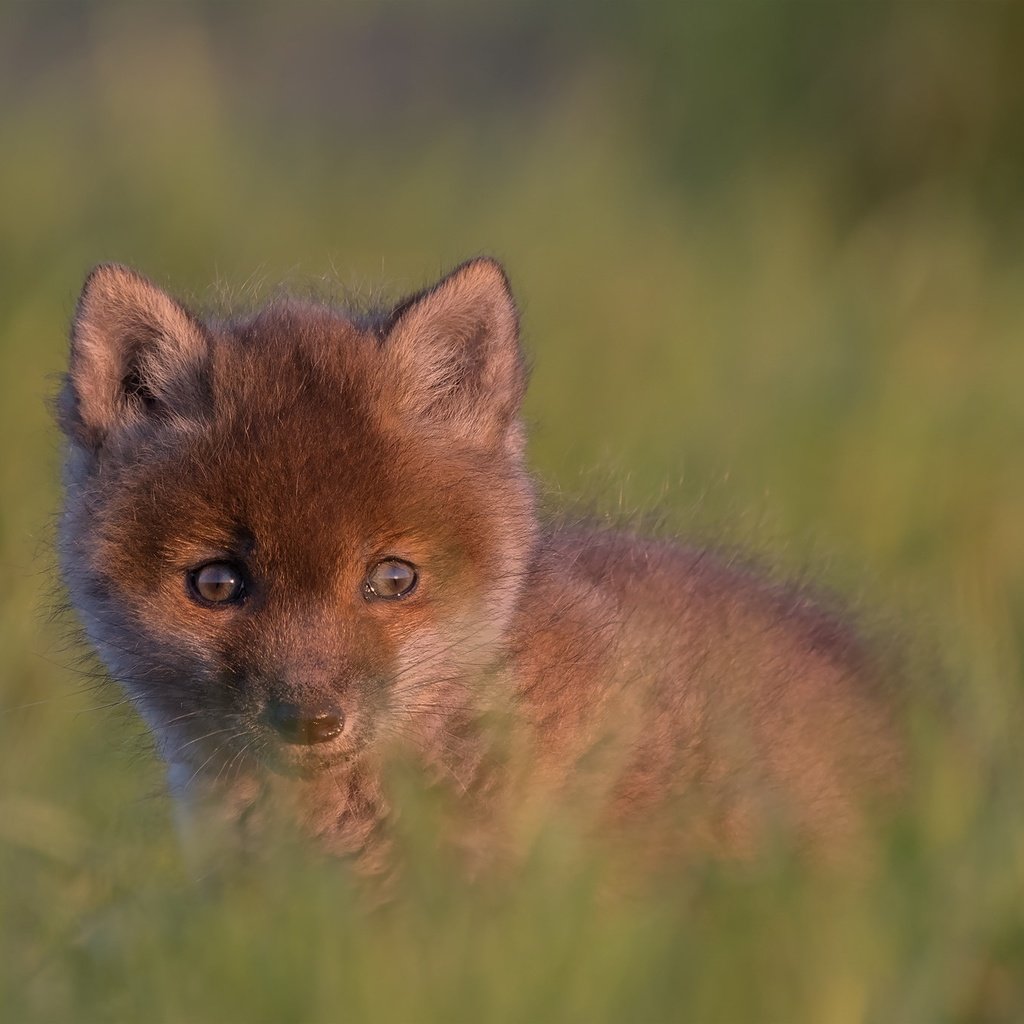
216,583
391,578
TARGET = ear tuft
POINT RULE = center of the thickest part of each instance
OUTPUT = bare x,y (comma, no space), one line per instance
455,355
136,353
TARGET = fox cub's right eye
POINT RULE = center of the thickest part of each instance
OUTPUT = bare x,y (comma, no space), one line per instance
216,583
390,578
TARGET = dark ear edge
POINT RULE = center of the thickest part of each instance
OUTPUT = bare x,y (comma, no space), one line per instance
388,323
455,357
135,352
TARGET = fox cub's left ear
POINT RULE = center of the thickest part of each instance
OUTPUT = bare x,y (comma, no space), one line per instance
136,353
455,356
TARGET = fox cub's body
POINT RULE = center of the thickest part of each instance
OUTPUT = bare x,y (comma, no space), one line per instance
304,543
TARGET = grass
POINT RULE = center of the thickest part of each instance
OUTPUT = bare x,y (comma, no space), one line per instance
744,361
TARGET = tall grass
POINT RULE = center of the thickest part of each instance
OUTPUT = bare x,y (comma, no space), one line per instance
748,361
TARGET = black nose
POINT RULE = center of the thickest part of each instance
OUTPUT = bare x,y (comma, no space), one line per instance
305,724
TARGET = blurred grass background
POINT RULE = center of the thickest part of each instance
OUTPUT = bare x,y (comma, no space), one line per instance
770,262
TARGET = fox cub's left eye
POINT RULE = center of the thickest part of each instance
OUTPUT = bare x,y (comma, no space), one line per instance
216,583
391,578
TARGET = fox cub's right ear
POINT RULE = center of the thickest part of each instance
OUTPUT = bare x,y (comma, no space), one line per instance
135,353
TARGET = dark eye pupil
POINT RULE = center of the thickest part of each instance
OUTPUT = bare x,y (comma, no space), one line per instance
391,578
218,583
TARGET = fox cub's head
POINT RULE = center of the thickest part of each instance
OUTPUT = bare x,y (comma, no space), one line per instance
294,534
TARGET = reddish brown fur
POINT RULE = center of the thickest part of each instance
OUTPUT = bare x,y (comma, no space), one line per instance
304,444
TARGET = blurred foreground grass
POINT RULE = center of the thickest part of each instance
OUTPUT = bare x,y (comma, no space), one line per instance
841,395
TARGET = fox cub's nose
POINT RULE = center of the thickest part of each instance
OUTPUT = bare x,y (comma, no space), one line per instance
304,723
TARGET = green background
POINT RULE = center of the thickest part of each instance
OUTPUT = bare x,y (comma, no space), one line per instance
769,257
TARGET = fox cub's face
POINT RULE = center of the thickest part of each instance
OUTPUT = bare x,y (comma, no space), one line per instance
295,536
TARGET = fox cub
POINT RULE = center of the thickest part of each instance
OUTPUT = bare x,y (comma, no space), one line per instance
305,543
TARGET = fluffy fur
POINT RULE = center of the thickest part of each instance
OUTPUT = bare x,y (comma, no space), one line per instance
303,445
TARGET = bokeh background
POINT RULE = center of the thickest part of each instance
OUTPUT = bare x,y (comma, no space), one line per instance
770,258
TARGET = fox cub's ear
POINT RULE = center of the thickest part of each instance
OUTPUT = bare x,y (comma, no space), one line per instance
135,353
455,356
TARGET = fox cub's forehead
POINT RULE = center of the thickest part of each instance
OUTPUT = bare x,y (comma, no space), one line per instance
295,413
294,353
305,475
